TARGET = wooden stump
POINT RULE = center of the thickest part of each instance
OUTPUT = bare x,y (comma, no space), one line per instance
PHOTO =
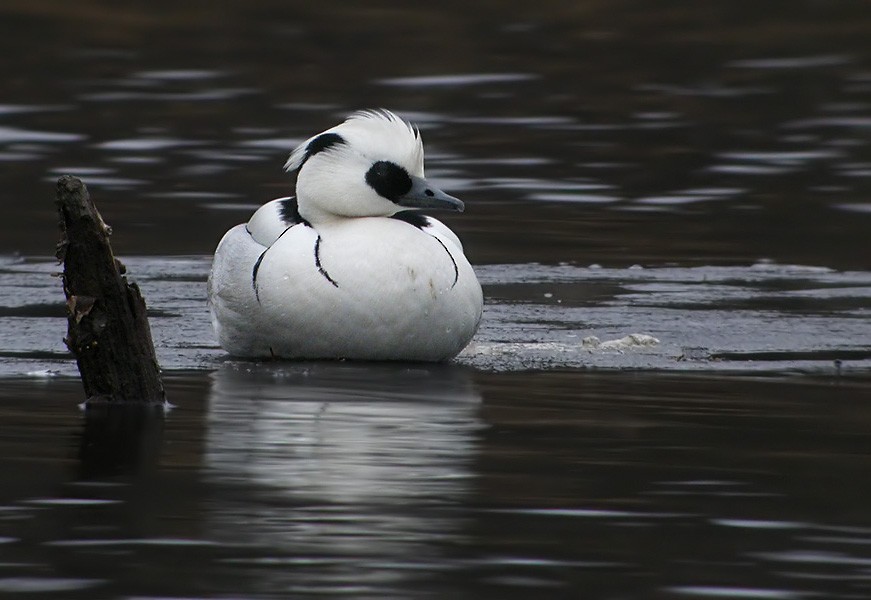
107,326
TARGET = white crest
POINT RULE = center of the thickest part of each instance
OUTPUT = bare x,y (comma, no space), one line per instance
377,134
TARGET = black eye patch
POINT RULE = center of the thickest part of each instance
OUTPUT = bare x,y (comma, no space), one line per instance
388,179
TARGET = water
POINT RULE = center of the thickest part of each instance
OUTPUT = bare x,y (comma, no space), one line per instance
370,481
695,174
760,317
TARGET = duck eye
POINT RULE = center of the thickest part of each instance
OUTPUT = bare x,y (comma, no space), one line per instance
388,179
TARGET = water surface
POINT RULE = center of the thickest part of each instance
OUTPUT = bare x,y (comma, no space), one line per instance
382,482
694,175
612,133
762,317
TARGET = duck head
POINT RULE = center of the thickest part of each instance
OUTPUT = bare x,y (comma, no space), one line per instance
369,166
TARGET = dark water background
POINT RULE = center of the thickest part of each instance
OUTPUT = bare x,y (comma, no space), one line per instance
699,172
583,131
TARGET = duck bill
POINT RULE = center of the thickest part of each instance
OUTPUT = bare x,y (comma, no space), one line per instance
424,195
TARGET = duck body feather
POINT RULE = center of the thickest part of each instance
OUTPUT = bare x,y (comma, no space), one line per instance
369,288
345,270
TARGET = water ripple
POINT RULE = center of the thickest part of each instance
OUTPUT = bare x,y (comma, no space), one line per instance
150,144
33,585
10,135
195,96
457,79
713,591
180,74
793,62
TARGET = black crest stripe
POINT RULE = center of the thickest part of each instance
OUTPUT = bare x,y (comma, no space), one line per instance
321,269
323,142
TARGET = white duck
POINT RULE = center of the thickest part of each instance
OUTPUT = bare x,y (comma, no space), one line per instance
342,270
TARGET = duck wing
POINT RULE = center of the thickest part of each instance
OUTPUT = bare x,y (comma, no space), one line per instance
272,219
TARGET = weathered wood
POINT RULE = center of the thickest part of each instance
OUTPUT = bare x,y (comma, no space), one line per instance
107,326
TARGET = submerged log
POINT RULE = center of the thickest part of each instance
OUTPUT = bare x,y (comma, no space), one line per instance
107,326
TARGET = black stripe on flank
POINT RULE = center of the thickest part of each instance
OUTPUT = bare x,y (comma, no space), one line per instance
456,270
254,275
321,270
412,217
420,220
289,213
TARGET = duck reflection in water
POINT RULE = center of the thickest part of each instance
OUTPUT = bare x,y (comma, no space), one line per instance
341,458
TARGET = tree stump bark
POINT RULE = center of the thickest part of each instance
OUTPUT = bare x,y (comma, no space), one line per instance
107,326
